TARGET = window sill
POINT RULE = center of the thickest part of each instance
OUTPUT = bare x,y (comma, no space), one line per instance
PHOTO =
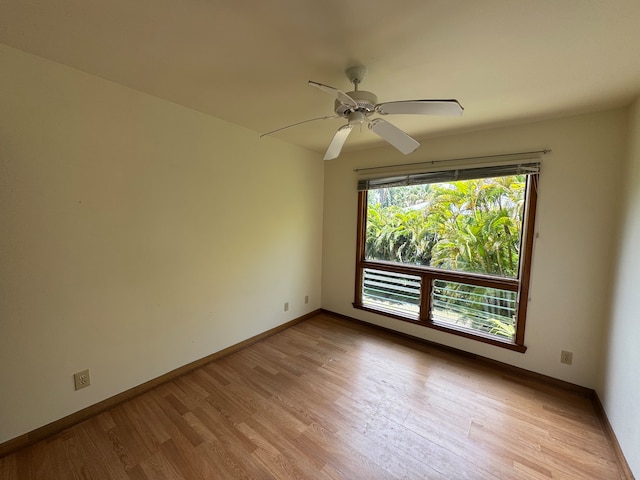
447,329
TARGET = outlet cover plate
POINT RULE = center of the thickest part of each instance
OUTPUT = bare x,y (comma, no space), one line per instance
566,357
82,379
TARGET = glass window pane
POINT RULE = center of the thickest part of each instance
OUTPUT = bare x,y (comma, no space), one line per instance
472,226
489,311
394,292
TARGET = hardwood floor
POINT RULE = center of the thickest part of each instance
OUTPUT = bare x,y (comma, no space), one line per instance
331,399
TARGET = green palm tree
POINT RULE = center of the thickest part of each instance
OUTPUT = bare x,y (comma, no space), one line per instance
478,224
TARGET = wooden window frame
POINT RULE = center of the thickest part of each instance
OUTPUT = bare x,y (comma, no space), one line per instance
429,274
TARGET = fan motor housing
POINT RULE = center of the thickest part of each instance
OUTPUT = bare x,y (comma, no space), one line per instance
366,101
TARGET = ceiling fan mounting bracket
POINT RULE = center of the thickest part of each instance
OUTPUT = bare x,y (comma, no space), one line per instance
356,74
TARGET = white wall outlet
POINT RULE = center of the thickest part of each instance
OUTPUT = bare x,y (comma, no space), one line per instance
306,299
286,306
566,357
82,379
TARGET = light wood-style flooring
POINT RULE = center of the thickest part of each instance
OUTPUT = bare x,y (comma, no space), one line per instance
333,399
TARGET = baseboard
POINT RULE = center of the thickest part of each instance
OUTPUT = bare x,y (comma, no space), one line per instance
625,470
53,428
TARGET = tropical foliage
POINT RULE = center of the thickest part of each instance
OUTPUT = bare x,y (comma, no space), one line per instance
470,226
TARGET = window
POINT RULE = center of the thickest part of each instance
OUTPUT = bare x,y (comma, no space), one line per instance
450,249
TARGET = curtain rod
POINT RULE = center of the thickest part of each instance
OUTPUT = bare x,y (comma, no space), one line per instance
433,162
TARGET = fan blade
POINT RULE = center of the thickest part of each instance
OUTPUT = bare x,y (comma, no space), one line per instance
421,107
335,147
334,92
393,135
295,124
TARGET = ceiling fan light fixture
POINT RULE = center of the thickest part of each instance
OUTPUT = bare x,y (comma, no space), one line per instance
356,118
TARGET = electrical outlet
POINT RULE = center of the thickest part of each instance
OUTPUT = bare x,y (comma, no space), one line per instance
566,357
286,306
306,299
82,379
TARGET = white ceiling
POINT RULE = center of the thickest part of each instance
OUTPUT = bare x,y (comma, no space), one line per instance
248,61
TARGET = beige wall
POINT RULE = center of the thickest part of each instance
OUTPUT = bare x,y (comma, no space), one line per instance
137,236
620,387
578,201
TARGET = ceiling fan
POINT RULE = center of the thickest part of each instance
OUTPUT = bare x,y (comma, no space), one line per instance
358,107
